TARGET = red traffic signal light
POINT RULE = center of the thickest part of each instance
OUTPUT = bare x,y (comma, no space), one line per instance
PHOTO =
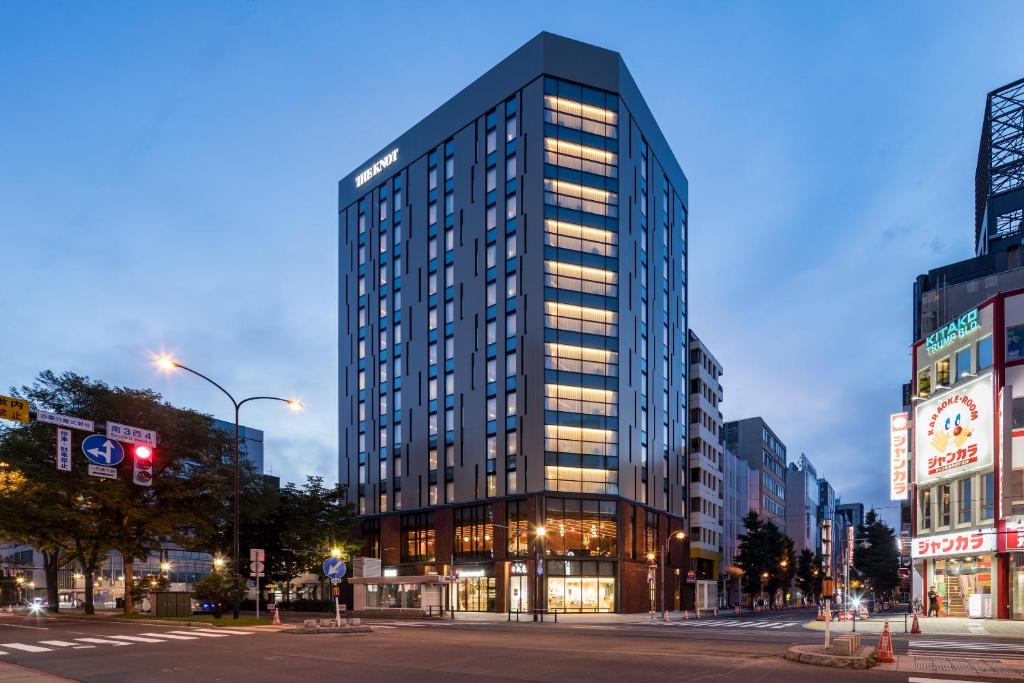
142,468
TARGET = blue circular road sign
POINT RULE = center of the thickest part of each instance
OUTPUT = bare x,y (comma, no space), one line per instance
334,567
102,451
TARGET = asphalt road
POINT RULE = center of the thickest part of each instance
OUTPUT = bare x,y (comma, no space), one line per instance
725,650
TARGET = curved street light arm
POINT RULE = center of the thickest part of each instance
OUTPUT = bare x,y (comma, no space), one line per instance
201,375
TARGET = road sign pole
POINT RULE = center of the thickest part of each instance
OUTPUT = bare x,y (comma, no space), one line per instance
337,603
257,597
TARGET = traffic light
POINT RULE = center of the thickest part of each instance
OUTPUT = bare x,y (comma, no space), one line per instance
142,469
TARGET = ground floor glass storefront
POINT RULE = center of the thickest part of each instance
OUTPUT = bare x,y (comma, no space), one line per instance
575,586
964,584
472,594
1016,585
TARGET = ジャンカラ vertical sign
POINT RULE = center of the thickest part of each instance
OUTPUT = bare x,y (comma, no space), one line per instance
63,449
899,440
13,409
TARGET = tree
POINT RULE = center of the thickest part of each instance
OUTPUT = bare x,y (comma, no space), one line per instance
809,573
876,558
72,516
217,588
765,555
142,586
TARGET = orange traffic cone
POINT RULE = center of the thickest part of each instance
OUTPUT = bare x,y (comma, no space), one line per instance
914,626
686,615
277,616
821,614
884,651
739,610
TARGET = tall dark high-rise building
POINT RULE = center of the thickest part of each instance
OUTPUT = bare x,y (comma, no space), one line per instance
513,340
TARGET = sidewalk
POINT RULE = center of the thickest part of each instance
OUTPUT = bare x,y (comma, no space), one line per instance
946,626
15,673
612,618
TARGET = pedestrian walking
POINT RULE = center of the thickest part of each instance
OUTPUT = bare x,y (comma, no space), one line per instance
933,602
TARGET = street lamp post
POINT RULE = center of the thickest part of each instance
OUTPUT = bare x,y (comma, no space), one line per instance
167,363
678,535
538,538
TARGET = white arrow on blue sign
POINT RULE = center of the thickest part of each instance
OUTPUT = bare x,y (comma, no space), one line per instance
334,567
102,451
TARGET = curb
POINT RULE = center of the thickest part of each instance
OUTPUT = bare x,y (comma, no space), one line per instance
159,622
816,655
330,629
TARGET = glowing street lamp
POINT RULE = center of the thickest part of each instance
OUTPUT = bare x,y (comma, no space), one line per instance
168,364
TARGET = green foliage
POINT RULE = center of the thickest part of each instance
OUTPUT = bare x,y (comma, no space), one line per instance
217,587
80,518
765,555
142,586
877,561
810,571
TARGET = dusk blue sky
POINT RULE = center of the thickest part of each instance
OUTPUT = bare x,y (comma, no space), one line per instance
168,181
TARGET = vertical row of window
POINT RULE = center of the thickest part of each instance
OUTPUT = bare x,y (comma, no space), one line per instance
385,331
440,332
580,289
642,278
502,275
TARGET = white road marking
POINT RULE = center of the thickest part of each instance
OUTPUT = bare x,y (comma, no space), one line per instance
169,636
27,648
100,641
224,630
58,643
2,654
916,679
138,639
201,633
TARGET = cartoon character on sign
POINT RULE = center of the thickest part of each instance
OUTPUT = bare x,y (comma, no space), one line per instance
956,426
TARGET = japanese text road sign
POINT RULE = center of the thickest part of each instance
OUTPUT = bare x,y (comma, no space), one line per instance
65,421
256,554
334,567
13,409
129,434
103,472
63,449
102,451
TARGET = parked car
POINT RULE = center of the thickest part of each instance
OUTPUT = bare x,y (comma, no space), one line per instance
203,607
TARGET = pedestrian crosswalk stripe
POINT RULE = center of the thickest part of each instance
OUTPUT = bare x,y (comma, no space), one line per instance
138,639
782,625
204,634
224,630
100,641
27,648
58,643
2,654
732,623
169,636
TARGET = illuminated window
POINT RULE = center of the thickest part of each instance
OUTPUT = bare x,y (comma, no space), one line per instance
581,278
581,157
580,238
587,320
588,118
581,400
581,359
580,197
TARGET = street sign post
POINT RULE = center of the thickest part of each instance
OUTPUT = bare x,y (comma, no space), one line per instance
63,449
256,568
15,409
334,569
129,434
102,451
65,421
